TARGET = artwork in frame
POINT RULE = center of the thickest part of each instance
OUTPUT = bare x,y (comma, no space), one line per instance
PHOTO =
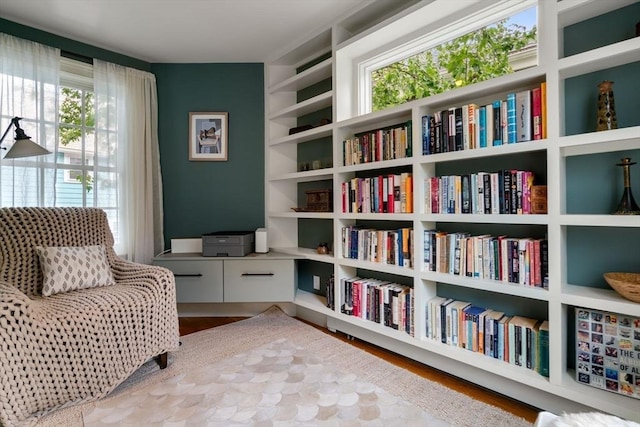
208,136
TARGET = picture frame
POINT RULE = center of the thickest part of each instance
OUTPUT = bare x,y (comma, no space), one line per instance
208,136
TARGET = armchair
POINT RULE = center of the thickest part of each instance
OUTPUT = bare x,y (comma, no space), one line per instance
76,345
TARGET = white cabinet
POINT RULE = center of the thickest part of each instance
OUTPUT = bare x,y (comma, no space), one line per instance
258,280
581,43
197,279
253,278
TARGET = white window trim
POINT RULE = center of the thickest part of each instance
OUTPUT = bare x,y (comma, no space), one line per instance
420,30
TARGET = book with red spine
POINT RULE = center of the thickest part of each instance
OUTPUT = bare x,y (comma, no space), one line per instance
536,112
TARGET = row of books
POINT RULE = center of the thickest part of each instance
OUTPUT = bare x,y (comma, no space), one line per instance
523,261
391,193
518,340
518,118
503,192
394,247
393,142
389,304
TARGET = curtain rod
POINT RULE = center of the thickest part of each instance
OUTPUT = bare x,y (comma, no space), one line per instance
76,56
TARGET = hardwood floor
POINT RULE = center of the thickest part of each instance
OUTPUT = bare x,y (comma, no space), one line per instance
193,324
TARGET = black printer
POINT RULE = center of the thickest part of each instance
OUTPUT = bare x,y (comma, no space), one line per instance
228,243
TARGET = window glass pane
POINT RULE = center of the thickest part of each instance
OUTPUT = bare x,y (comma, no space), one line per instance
106,191
495,50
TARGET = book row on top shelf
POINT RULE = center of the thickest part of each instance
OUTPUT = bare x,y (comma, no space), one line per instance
521,117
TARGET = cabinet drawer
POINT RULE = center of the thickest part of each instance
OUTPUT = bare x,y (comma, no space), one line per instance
196,281
258,281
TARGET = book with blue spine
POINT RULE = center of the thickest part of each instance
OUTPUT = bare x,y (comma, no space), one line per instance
426,134
471,314
511,118
482,124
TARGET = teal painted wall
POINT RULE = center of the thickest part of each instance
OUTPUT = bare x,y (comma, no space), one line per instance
202,197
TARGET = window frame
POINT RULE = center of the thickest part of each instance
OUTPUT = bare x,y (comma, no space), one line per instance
417,31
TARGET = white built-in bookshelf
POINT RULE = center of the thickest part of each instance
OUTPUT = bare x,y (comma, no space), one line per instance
584,239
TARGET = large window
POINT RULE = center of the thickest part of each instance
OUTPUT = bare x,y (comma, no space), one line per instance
78,173
486,45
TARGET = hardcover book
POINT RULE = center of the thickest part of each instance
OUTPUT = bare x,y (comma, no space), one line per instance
523,116
497,123
511,118
608,351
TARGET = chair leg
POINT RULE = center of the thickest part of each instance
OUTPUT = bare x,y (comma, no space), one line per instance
163,360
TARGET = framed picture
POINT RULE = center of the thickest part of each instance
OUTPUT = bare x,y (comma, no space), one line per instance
208,136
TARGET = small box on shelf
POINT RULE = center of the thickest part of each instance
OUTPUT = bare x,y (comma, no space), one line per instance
319,201
539,199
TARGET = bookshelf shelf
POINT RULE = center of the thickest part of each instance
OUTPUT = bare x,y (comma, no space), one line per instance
308,135
621,53
376,216
305,107
477,153
488,285
539,219
573,161
600,142
601,220
376,266
598,299
312,301
616,404
293,214
574,11
408,161
318,72
314,175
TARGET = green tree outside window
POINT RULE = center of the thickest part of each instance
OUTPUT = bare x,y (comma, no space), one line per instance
472,58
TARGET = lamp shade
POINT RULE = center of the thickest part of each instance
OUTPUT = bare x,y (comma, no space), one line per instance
25,148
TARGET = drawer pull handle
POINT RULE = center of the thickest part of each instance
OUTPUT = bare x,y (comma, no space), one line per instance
257,274
189,275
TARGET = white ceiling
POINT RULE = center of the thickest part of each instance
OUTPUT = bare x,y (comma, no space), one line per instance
182,31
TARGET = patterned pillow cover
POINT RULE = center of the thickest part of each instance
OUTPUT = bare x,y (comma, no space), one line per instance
69,268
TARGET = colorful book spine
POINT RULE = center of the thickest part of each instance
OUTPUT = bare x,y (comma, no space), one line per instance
426,135
523,116
489,123
458,130
482,124
543,96
536,113
497,123
472,129
511,118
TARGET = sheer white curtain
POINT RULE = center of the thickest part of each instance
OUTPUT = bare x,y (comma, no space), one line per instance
127,126
29,76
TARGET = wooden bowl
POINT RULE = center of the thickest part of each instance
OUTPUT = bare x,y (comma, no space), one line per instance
626,284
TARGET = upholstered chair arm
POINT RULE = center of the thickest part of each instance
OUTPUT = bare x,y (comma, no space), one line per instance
12,299
138,274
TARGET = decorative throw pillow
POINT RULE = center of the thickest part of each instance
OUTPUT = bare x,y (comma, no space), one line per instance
69,268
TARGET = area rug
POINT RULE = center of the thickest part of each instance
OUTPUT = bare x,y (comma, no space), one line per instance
273,370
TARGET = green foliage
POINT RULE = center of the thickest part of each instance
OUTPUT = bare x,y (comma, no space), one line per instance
472,58
86,181
71,109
